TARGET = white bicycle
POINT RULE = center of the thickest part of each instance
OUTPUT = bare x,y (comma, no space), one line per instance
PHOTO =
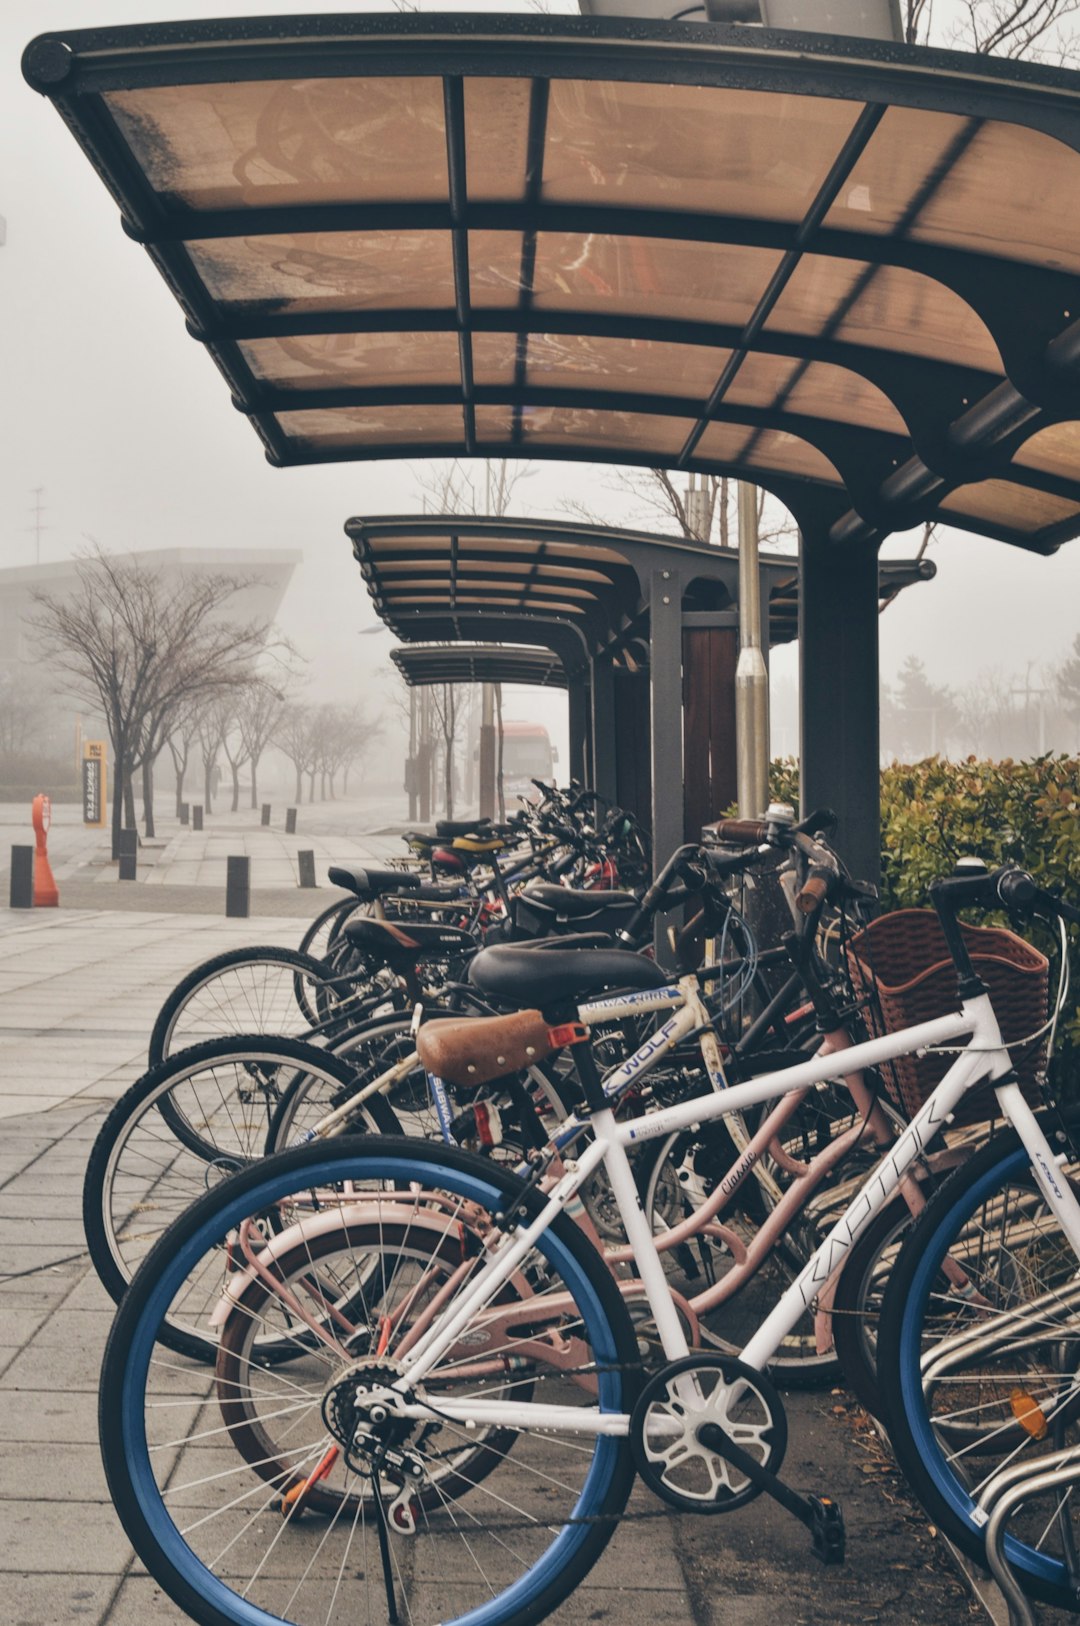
455,1402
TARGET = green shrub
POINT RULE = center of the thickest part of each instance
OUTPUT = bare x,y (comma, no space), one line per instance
934,812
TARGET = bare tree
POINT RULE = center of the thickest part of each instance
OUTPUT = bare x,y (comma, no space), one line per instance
137,644
180,740
215,721
258,712
293,735
1034,29
235,749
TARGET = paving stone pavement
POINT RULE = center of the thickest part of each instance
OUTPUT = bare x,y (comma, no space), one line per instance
78,993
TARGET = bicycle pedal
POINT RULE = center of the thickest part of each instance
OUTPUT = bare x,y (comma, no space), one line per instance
827,1529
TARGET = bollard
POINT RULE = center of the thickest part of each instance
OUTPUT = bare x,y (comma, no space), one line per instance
290,821
185,812
129,854
306,864
46,895
196,816
22,877
238,887
266,812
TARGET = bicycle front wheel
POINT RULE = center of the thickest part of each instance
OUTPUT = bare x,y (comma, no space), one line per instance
979,1354
494,1524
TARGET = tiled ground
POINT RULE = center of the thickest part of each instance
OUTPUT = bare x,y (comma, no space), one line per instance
78,993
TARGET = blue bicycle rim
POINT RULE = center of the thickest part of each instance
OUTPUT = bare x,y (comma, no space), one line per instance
1018,1553
392,1168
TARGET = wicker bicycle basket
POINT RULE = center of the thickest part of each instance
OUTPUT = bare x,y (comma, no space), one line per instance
903,958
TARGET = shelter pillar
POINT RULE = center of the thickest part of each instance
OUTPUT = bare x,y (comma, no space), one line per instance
839,743
665,713
487,751
577,708
603,728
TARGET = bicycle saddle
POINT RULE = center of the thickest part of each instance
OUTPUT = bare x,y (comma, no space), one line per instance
570,905
402,944
369,882
461,827
521,976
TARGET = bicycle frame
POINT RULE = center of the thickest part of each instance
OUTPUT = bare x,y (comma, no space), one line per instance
983,1057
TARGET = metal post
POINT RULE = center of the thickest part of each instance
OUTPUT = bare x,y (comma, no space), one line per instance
129,855
266,813
576,705
839,745
411,767
487,751
603,728
305,862
238,887
185,812
22,878
751,677
290,821
665,713
665,728
196,816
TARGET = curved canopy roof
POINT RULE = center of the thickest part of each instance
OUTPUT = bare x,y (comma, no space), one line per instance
847,271
479,663
573,588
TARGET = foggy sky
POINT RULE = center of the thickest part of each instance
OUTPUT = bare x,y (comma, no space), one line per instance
126,423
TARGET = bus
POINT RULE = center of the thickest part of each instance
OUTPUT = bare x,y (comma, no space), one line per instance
527,754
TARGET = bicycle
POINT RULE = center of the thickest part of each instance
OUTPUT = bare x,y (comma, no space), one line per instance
395,1378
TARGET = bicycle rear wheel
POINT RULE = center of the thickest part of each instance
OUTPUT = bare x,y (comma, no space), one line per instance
510,1548
141,1176
242,991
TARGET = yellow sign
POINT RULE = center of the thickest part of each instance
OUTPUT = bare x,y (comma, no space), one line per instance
94,797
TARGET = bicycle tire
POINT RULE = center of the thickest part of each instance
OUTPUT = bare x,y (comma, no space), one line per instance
203,1006
138,1179
954,1427
326,926
316,942
564,1540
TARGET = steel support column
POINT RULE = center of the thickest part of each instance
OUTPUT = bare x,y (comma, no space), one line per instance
838,695
603,728
665,713
577,716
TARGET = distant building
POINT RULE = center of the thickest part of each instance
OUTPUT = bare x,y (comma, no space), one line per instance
269,571
272,569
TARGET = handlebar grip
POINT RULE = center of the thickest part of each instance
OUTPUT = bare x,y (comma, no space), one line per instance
812,895
739,832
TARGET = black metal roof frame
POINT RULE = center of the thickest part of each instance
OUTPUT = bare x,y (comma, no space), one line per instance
385,547
422,665
962,426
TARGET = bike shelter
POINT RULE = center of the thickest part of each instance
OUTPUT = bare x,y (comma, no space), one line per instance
843,270
644,629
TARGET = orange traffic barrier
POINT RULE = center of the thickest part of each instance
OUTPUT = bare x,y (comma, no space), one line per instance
46,895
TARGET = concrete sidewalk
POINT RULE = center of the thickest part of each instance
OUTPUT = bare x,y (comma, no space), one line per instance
183,870
78,994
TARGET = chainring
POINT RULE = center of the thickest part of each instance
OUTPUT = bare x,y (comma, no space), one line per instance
677,1402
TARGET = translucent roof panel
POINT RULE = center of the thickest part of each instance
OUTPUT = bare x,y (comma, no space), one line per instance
653,146
223,146
680,246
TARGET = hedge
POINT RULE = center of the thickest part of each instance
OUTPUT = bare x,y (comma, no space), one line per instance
934,812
